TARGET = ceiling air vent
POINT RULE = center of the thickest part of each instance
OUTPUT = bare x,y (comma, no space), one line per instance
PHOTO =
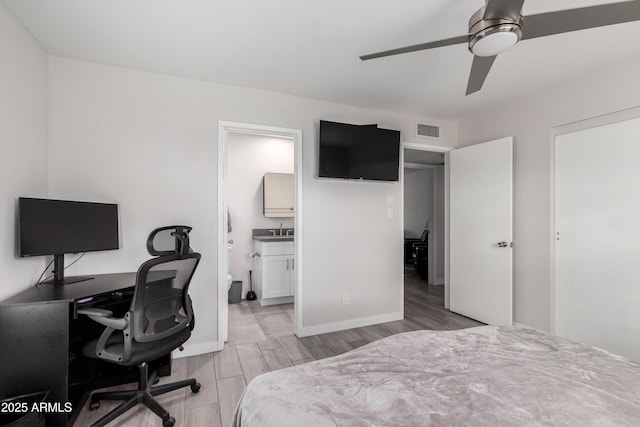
429,131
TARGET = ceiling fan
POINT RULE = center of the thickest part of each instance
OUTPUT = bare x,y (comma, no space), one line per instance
499,25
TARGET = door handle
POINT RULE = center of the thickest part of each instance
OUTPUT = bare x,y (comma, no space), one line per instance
503,244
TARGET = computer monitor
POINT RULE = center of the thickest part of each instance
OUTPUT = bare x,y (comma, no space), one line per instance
59,227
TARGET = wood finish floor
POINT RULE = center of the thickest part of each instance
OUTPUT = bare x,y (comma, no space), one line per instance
261,339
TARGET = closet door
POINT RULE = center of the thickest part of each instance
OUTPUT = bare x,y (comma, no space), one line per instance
597,240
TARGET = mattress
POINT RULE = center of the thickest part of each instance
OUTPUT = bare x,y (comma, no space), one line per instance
482,376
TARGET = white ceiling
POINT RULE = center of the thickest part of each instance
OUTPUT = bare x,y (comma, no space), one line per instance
310,48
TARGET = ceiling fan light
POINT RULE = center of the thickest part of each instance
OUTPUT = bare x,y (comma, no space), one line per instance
493,41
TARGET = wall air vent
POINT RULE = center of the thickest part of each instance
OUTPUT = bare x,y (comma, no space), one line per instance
430,131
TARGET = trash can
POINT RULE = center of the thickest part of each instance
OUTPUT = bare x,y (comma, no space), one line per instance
235,292
18,411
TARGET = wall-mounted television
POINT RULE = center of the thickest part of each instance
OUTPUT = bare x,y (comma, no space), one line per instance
358,152
59,227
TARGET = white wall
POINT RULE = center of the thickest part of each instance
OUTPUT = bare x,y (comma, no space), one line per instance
418,200
23,144
249,157
149,143
531,121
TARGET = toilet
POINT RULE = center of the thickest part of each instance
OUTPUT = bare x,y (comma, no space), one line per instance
229,278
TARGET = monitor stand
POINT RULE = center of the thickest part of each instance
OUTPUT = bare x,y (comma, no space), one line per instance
58,273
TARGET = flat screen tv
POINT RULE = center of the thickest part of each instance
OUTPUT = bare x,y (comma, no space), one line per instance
59,227
358,152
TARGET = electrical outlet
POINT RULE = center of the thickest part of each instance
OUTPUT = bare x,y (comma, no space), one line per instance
389,213
346,298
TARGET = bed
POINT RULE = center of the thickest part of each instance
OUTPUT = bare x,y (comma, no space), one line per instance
482,376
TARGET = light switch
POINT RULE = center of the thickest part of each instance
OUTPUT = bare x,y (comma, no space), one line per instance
390,213
390,199
346,298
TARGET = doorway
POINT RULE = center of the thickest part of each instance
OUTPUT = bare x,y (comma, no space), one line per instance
243,151
424,225
478,183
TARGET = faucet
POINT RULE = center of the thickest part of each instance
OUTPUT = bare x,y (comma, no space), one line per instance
281,225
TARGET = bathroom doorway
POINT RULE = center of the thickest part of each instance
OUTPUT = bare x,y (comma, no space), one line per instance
246,154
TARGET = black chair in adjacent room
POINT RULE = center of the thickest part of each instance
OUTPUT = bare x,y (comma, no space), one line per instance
419,254
408,249
160,319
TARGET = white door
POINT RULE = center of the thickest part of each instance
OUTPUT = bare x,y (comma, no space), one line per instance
480,222
598,237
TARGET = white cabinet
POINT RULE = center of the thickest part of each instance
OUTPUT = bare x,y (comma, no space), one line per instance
278,195
275,272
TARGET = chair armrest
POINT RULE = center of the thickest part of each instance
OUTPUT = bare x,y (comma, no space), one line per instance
104,318
95,312
192,324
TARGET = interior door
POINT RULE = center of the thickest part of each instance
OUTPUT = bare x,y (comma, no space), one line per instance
480,222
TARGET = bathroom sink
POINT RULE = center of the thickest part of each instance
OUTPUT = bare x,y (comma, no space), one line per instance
276,234
274,238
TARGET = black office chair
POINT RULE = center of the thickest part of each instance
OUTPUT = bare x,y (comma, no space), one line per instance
419,254
160,319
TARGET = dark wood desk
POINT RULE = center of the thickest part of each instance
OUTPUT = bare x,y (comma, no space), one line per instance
36,332
99,285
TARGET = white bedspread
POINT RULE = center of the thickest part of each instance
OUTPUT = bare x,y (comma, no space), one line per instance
483,376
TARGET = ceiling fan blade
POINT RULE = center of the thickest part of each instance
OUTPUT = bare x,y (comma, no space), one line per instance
503,9
479,70
564,21
417,47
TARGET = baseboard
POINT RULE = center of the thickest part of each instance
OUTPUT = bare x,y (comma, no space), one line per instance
349,324
195,349
439,281
275,301
520,325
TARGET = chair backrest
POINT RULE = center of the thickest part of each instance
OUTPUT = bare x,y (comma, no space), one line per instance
161,306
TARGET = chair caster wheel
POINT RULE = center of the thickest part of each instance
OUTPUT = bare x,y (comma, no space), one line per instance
195,388
94,405
169,422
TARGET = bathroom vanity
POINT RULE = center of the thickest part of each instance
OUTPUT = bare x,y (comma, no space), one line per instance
275,269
